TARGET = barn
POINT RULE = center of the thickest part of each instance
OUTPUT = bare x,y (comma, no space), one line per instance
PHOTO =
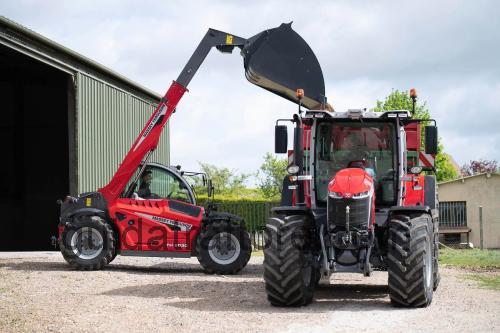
66,123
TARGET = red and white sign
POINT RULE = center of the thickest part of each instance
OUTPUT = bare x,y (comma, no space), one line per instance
426,160
290,157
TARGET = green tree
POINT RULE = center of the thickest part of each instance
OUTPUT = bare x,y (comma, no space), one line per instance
225,181
271,175
445,170
401,100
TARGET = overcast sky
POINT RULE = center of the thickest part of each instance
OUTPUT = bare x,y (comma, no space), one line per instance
448,50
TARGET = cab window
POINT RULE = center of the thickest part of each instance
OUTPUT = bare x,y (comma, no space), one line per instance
349,144
159,183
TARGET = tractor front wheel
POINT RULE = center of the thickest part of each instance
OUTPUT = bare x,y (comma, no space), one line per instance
289,273
88,243
411,260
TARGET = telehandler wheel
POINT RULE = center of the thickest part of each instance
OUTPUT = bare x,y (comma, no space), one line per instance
411,260
223,247
88,243
288,266
113,257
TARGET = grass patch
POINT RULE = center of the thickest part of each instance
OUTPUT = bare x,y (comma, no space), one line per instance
470,258
486,281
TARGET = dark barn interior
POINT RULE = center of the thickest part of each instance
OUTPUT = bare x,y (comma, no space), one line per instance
35,150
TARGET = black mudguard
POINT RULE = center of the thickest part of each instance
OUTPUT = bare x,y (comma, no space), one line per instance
431,194
214,215
86,204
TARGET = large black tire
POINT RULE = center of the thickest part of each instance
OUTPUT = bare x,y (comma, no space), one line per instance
411,260
88,243
113,257
288,268
437,275
219,259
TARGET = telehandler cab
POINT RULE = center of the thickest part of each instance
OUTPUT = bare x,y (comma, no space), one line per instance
94,227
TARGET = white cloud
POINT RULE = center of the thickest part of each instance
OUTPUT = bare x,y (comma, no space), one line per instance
449,50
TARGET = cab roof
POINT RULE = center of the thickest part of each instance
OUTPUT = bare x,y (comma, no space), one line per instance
358,114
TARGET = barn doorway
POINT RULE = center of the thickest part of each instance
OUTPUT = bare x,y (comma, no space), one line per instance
34,170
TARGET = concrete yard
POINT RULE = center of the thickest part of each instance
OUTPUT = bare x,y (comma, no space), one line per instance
39,292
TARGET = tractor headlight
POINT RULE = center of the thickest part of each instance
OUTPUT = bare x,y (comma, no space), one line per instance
361,195
336,195
416,170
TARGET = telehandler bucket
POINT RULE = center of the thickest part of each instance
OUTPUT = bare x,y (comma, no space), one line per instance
280,60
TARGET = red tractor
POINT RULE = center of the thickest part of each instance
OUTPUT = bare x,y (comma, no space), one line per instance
148,209
355,200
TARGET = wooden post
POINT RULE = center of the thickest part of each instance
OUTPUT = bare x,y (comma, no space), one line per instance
481,227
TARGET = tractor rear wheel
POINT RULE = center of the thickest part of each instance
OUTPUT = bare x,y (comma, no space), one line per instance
437,276
223,247
88,243
411,260
288,265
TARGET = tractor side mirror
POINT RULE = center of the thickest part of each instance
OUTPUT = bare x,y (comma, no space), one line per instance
280,139
431,140
210,188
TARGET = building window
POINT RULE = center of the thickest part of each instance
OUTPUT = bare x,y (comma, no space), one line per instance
452,214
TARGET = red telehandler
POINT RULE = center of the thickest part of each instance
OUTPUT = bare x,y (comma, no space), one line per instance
139,212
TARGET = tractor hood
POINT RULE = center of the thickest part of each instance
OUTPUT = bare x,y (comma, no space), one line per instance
350,182
280,61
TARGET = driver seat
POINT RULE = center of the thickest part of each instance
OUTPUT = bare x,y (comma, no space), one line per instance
357,164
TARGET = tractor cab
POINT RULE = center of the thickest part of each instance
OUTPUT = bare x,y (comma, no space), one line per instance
359,201
369,145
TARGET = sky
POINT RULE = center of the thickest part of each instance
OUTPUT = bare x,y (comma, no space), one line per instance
448,50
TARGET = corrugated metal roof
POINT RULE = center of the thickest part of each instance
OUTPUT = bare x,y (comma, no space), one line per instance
16,34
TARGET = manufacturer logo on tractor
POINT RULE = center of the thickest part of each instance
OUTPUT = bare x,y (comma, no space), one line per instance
177,224
153,123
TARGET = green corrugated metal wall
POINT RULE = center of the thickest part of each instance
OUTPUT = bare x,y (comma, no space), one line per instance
108,122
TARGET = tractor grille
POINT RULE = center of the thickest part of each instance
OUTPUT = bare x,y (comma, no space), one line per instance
358,214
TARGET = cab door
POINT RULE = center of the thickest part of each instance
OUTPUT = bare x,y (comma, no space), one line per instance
178,214
167,220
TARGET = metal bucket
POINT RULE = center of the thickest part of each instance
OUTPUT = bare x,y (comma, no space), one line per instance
280,60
